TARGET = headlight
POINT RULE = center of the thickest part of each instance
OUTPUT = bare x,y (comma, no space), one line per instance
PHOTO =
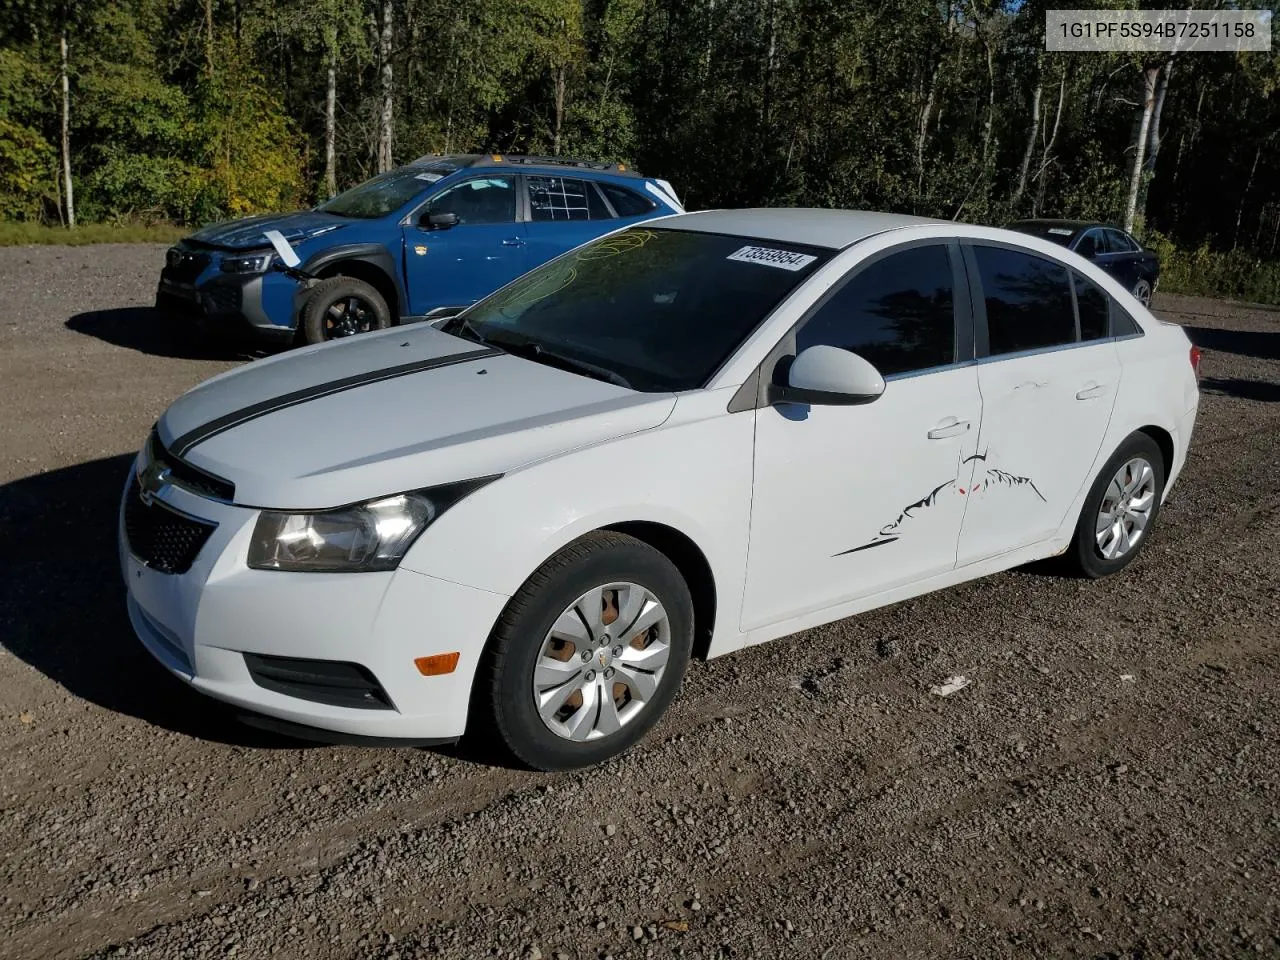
369,536
254,263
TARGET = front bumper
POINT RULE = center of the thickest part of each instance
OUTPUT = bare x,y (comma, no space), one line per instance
201,623
263,306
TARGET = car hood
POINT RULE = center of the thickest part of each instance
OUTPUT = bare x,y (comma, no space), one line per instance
382,413
249,233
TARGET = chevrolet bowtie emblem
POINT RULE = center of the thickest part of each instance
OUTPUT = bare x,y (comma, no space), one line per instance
153,479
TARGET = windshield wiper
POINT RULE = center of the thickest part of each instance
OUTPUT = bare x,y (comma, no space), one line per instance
540,354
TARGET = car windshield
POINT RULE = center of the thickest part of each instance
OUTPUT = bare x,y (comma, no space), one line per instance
1057,232
652,309
388,192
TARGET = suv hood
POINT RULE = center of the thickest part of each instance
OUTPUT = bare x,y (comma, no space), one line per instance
387,412
248,234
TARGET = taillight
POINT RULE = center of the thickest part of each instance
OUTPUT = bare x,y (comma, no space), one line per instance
1195,360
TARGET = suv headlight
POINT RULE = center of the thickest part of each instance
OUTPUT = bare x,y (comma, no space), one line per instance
364,537
253,263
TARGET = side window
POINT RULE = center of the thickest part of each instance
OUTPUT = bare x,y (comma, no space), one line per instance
1117,242
1028,301
1092,303
487,200
1122,324
596,204
628,203
557,198
898,313
1091,245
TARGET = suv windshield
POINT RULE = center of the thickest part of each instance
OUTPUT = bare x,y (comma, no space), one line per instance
389,191
654,309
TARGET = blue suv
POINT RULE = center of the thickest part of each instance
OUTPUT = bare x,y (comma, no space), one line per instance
417,242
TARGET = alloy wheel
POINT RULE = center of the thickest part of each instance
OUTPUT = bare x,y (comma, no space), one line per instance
347,317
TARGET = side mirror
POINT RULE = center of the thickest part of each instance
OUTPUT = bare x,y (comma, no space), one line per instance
438,221
825,375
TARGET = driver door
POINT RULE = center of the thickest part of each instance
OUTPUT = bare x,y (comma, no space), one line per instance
458,265
850,501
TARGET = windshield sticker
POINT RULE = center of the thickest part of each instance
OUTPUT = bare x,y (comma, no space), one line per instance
429,177
1061,231
784,259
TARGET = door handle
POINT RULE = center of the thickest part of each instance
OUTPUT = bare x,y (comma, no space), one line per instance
953,429
513,242
1091,392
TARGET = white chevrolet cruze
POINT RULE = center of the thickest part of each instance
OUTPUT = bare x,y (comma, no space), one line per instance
689,436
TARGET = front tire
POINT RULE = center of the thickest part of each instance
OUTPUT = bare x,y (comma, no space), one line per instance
1120,510
342,307
1142,292
588,654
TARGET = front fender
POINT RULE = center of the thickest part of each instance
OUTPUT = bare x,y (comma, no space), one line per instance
692,474
374,254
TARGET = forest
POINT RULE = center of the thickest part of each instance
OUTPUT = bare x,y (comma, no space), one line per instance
189,111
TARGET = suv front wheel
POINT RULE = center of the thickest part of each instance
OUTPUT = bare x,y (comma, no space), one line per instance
342,307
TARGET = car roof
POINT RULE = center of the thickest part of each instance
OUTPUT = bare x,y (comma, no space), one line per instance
1076,225
834,229
464,161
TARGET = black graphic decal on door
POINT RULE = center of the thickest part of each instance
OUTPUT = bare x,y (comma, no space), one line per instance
991,478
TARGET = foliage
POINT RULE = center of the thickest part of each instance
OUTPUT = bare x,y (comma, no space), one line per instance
919,106
22,234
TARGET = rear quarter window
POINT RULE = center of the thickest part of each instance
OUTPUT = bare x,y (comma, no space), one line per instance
626,202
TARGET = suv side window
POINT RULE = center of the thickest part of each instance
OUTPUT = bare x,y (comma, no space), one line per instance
1093,305
626,202
483,200
898,313
558,198
1028,301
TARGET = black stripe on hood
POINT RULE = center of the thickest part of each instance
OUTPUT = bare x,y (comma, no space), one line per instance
183,444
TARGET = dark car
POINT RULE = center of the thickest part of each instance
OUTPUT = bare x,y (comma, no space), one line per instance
1109,247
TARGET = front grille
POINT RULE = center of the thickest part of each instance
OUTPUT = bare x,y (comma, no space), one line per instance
334,682
222,299
183,266
185,475
161,538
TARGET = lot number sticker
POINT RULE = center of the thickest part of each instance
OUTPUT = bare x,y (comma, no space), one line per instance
784,259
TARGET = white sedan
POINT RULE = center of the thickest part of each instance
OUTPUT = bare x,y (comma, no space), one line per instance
687,437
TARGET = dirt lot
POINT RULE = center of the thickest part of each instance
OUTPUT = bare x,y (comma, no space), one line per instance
1108,787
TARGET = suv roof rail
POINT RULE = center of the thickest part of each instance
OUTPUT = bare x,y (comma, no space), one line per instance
501,159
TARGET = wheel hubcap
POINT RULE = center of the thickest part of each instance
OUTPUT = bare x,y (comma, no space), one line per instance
1126,509
348,316
602,662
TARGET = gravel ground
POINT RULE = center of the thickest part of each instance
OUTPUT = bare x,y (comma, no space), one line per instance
1109,786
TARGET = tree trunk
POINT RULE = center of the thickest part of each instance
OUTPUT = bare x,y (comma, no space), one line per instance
330,119
1150,76
991,99
385,117
561,79
922,135
1235,237
1025,168
208,36
66,134
1046,156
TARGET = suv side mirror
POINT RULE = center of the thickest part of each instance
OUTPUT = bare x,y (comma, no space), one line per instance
826,375
438,221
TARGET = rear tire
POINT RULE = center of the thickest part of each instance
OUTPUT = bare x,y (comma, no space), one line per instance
1122,507
561,684
341,307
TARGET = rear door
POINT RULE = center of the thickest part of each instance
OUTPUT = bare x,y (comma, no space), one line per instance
459,265
1047,397
564,212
